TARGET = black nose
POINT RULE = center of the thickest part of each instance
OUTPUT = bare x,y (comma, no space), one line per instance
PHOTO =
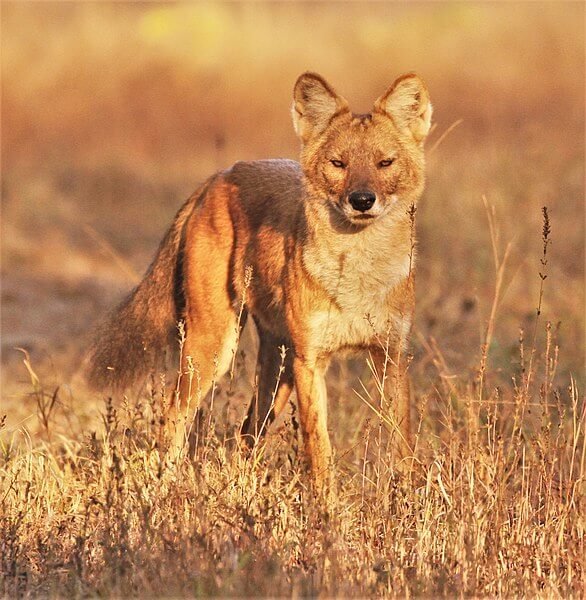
361,201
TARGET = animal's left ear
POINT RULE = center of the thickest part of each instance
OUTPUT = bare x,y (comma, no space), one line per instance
407,103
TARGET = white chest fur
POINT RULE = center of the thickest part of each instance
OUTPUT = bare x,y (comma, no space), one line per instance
359,273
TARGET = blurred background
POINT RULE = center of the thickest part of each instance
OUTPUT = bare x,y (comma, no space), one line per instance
113,113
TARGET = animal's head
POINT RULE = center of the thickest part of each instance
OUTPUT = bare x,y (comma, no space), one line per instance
363,165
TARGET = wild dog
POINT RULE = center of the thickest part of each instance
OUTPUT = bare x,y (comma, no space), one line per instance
329,241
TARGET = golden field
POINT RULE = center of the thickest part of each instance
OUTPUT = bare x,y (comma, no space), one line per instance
111,116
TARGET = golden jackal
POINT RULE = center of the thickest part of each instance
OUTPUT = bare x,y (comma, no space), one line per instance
330,244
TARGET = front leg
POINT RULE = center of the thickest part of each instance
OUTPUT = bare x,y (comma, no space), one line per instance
392,381
313,411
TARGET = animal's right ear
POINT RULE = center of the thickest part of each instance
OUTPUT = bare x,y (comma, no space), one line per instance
314,104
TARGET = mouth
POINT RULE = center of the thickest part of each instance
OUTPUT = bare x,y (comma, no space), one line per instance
355,217
361,218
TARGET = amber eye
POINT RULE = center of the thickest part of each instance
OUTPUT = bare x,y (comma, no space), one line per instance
338,164
386,163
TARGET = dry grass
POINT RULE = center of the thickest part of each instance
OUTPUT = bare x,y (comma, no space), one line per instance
111,114
494,505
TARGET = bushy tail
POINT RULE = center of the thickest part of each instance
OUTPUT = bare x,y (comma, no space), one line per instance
134,339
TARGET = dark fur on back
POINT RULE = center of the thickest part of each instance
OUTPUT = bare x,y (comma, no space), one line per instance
133,340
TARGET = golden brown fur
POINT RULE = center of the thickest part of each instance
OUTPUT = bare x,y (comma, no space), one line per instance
326,276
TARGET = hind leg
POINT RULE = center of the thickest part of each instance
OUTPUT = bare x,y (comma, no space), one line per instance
206,357
206,279
275,383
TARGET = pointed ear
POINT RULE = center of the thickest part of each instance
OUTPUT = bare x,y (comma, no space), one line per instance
407,103
314,104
